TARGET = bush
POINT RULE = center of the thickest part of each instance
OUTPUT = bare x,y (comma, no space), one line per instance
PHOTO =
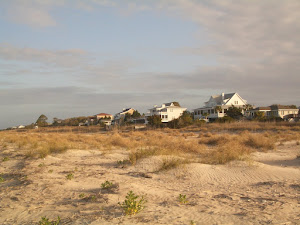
45,221
133,204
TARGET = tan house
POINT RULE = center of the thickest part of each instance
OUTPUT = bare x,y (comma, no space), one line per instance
104,116
282,111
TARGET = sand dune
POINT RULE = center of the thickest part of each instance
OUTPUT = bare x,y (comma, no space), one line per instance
262,190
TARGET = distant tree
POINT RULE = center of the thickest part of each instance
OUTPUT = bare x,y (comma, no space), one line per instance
135,114
184,120
234,112
259,115
248,107
42,121
292,106
154,121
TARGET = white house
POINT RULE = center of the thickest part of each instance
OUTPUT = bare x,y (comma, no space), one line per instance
167,111
217,106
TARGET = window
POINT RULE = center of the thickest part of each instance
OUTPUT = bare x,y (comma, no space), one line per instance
166,116
225,110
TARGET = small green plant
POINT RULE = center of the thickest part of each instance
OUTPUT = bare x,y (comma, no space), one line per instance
82,195
1,178
193,222
182,199
45,221
41,164
133,204
70,176
50,171
5,159
93,198
107,185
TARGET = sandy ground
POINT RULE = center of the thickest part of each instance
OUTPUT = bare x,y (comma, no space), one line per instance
264,190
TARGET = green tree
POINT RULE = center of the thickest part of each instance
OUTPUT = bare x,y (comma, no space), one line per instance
135,114
259,115
154,121
184,120
248,107
234,112
42,121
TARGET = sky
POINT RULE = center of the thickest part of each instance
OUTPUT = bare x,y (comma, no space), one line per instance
68,58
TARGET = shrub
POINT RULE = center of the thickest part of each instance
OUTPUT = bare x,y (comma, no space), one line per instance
182,199
5,159
107,185
133,204
1,178
171,162
45,221
70,176
260,142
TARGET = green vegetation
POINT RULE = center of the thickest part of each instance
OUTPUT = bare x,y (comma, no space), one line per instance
182,199
70,176
5,159
82,195
42,121
234,112
45,221
184,120
133,204
107,185
154,121
1,178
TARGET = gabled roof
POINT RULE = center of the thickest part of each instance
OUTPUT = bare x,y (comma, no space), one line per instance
174,103
218,98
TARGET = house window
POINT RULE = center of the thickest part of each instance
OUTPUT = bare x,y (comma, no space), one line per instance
225,110
166,116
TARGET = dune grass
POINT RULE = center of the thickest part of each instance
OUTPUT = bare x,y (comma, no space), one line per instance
212,143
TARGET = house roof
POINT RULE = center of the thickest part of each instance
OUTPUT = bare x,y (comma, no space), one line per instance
275,107
174,103
125,110
103,114
218,98
262,108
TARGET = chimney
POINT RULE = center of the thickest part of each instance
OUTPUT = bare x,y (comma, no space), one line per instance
222,96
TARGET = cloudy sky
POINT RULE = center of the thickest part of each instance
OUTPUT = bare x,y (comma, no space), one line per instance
66,58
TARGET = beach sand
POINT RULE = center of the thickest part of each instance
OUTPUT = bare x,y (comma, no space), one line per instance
262,190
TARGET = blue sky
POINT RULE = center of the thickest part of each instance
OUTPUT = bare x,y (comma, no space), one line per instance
72,58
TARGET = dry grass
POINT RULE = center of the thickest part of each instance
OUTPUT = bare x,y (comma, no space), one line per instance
209,143
171,163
